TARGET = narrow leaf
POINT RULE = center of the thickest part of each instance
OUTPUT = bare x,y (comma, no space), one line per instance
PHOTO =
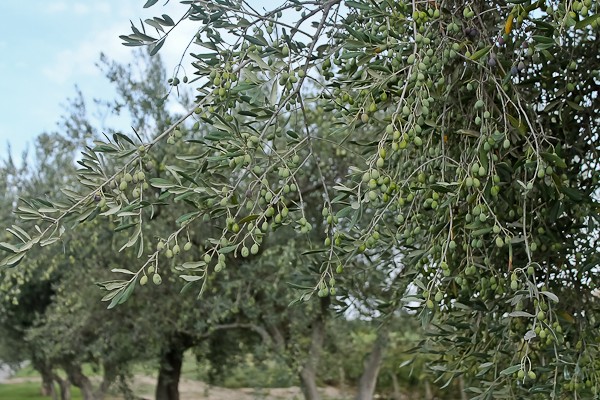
122,270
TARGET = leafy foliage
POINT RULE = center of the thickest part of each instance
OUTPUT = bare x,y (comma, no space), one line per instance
451,145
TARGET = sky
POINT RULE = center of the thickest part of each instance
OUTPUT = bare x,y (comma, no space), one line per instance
49,47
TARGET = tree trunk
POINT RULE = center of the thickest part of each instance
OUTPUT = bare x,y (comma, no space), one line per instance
65,388
342,379
124,389
308,373
308,383
368,379
48,380
110,375
428,394
48,388
167,387
396,395
78,379
461,384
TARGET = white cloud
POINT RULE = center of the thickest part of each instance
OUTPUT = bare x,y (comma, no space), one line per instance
69,64
175,47
176,108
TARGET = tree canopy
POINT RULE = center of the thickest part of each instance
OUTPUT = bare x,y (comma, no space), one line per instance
442,153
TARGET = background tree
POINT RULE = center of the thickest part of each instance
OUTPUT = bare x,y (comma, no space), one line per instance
473,128
71,329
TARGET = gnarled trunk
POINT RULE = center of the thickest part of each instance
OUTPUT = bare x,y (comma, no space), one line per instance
109,376
48,380
368,379
461,384
65,388
308,383
167,387
308,373
397,395
78,379
48,389
124,388
429,394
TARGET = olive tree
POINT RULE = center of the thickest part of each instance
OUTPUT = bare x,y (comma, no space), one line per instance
70,328
471,129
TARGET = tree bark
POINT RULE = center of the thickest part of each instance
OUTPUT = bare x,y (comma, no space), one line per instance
65,388
308,383
48,388
368,379
124,389
396,395
167,387
461,384
109,376
428,394
308,373
78,379
48,379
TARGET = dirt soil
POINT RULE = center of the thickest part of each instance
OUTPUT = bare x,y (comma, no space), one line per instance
192,390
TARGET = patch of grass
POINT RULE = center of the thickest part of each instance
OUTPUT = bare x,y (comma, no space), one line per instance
26,372
28,391
193,370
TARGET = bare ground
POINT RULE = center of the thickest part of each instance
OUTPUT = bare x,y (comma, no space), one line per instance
143,386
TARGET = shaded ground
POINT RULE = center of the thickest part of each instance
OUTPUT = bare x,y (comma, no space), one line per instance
191,390
143,386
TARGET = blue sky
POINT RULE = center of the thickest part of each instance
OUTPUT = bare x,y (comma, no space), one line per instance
48,47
